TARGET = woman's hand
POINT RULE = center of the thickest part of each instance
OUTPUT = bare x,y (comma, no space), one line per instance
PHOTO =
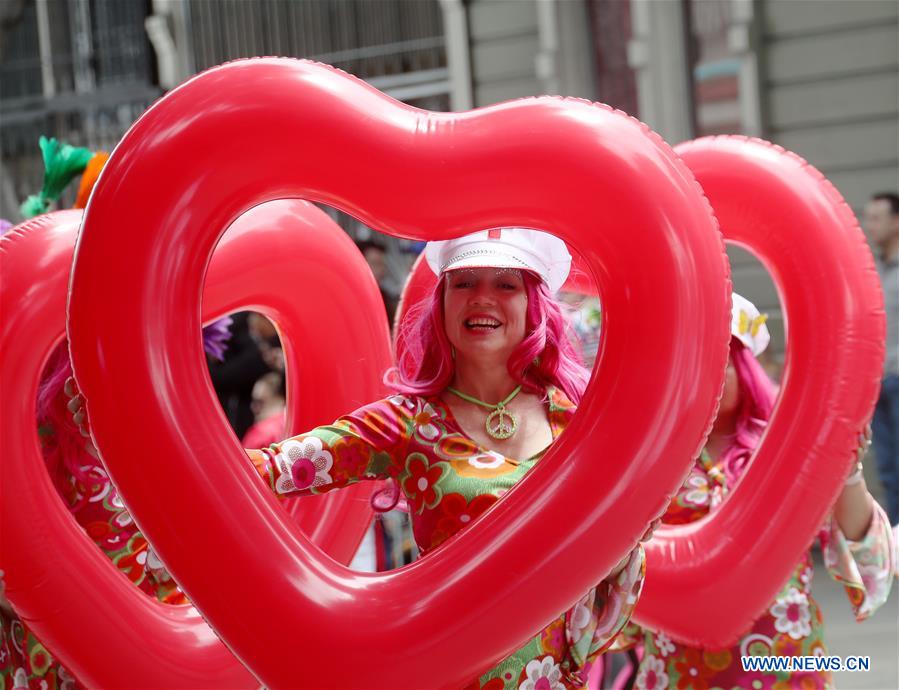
864,442
854,509
79,414
647,535
856,474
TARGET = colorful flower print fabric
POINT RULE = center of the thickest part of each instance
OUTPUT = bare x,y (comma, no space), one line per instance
792,624
448,482
24,661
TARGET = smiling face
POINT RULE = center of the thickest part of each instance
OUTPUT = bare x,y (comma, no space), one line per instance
484,312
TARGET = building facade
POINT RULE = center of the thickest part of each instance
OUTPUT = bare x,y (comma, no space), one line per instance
819,77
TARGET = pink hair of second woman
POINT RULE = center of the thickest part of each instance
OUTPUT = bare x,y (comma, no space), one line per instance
757,396
63,445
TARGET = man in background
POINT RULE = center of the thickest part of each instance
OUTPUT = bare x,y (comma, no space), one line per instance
882,224
376,256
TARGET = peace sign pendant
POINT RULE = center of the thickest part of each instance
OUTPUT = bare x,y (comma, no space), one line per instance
501,424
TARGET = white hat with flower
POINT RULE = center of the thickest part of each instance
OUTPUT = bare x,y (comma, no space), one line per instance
747,325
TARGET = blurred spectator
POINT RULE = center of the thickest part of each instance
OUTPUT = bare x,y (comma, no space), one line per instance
387,544
265,335
395,543
234,377
376,256
882,224
585,315
268,405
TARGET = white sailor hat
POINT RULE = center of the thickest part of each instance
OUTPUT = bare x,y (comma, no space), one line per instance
522,248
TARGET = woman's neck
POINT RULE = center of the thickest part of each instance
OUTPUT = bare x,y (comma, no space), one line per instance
488,382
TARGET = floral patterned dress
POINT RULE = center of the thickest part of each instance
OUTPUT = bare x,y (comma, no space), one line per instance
792,624
449,481
24,661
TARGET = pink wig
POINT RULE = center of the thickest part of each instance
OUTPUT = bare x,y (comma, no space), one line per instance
757,396
63,445
546,356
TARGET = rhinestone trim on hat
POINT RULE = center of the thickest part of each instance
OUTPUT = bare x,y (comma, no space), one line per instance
500,270
475,252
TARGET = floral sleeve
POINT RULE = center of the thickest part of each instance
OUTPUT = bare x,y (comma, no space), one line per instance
595,622
570,644
630,636
865,567
167,590
702,491
363,445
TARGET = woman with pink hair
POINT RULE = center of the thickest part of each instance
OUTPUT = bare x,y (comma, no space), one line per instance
82,483
73,465
855,541
486,379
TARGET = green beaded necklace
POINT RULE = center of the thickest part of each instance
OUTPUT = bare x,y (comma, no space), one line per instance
501,423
